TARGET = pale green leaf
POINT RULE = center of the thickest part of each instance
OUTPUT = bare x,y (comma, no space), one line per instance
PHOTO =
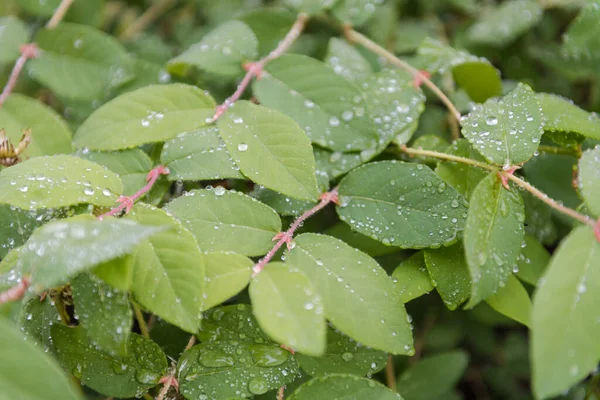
199,155
493,236
310,6
463,177
168,272
270,149
146,73
117,272
61,249
532,261
27,373
110,375
13,33
223,51
355,12
226,275
411,278
49,132
283,205
449,274
332,165
269,24
328,107
36,319
343,387
58,181
346,60
512,300
154,113
582,39
502,25
228,369
565,316
104,313
39,8
353,284
236,323
562,115
589,179
506,131
401,204
223,220
79,62
18,225
289,309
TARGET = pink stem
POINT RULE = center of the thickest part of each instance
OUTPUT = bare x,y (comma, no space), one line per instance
286,237
27,51
16,292
255,69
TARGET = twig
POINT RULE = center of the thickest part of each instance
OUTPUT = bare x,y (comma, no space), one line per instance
59,13
367,43
191,343
280,393
560,150
139,317
287,236
390,374
16,292
128,201
254,69
444,156
168,381
146,19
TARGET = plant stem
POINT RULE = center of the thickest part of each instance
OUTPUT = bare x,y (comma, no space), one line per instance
165,388
559,150
16,292
287,236
367,43
146,19
191,343
280,393
140,320
444,156
255,69
390,374
59,13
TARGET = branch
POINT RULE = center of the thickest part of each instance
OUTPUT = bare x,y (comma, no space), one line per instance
254,69
390,374
139,317
355,37
287,236
146,19
168,381
59,13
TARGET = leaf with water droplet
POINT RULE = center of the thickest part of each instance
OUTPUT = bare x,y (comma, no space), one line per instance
289,309
347,61
562,115
310,6
19,225
399,204
223,220
235,323
227,369
140,370
512,300
589,179
104,313
278,154
464,178
13,33
449,273
355,12
222,51
493,236
565,315
343,386
151,114
226,275
581,40
411,278
359,241
506,131
284,205
532,261
36,319
351,283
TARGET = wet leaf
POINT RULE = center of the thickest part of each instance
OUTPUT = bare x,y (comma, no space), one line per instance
343,386
270,25
562,115
289,309
36,320
566,304
464,178
589,179
411,278
581,41
401,204
512,300
351,283
346,60
18,226
226,275
224,220
355,12
359,241
283,205
449,274
13,33
310,6
39,8
235,323
532,261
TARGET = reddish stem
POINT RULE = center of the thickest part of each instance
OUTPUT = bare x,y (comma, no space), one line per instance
255,69
167,381
28,51
280,393
128,201
16,292
286,237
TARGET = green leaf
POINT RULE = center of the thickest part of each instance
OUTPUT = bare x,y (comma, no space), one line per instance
346,60
566,305
343,355
226,275
512,300
433,376
36,320
38,8
401,204
506,131
411,278
310,6
329,108
532,261
236,323
449,274
289,309
562,115
27,373
104,313
13,33
538,220
464,178
58,181
154,113
502,25
270,149
476,75
359,241
223,51
132,166
270,25
110,375
61,249
493,236
581,41
146,74
589,179
228,369
49,132
223,220
18,226
197,156
352,283
79,62
117,272
168,270
355,12
343,387
332,165
283,205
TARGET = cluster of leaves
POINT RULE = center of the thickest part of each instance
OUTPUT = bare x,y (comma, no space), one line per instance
429,228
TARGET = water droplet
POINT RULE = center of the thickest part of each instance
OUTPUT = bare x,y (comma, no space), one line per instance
88,191
334,121
268,356
216,359
220,190
491,120
347,356
258,386
146,377
242,147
